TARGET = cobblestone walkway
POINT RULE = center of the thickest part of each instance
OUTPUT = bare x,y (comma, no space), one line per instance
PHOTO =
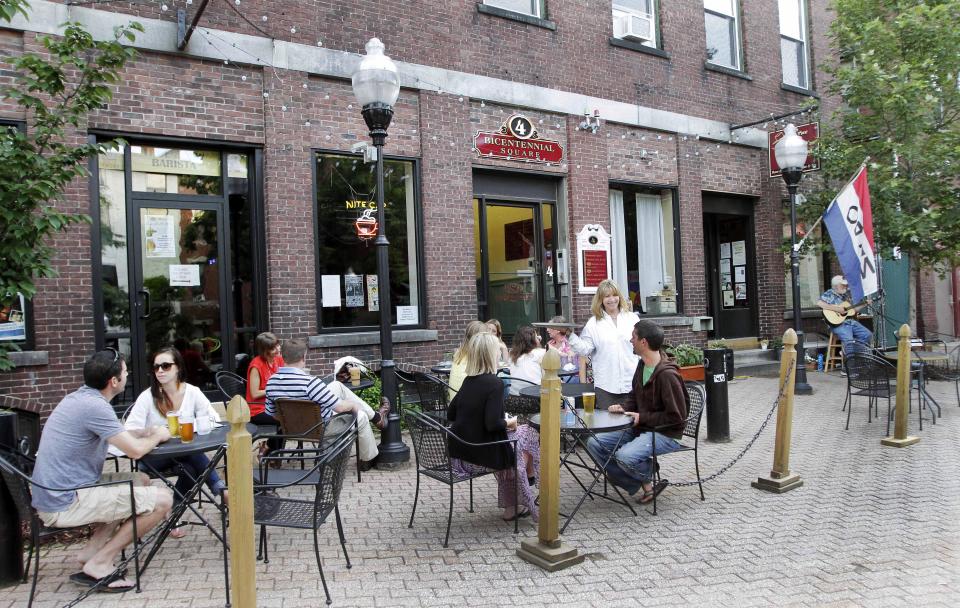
872,526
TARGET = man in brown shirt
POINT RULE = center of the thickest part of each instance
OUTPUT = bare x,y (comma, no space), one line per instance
658,400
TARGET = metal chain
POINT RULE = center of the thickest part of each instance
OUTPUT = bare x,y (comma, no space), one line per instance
750,443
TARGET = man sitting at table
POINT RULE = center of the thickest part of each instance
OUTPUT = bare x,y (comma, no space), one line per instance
657,399
71,453
294,382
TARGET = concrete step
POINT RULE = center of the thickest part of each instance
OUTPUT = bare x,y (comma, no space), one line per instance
739,344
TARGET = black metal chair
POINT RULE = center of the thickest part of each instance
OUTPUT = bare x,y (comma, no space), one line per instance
869,376
431,445
434,395
518,405
17,471
319,434
328,471
948,370
232,385
691,428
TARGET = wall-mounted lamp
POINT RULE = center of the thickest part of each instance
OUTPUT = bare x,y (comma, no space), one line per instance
590,122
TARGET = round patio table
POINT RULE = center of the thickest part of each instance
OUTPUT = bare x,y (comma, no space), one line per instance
567,390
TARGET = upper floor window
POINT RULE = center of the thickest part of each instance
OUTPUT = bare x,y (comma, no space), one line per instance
635,20
534,8
721,19
793,43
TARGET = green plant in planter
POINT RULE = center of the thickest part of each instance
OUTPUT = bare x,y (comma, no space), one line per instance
372,397
721,343
686,354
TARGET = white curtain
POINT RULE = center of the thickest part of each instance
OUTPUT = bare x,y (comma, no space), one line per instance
650,245
618,239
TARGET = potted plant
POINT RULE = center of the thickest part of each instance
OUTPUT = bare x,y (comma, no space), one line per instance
776,347
690,360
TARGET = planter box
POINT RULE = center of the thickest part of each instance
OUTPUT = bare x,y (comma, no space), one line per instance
692,372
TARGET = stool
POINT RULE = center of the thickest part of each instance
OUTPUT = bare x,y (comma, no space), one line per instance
834,354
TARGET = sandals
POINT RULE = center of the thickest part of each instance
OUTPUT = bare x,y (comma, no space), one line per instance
102,584
649,495
384,411
518,515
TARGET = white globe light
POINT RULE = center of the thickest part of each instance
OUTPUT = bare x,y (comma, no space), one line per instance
791,150
376,79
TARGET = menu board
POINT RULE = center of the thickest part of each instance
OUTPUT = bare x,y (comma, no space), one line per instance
594,268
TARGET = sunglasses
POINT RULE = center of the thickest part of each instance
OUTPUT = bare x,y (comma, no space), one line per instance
165,366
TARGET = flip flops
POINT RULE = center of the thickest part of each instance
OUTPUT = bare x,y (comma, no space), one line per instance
102,584
649,495
518,515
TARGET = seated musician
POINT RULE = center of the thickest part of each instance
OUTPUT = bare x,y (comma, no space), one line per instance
851,333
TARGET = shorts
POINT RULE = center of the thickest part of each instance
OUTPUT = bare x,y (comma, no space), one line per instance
104,504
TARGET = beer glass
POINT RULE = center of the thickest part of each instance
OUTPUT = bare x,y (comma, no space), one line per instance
186,430
589,402
355,375
173,423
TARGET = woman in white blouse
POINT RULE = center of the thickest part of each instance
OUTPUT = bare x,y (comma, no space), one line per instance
168,392
606,340
525,358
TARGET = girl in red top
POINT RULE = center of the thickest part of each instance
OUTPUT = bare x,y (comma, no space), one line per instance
264,365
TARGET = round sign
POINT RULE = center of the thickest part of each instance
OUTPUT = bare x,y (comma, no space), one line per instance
520,126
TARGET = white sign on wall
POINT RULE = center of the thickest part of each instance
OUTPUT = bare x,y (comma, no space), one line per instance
593,257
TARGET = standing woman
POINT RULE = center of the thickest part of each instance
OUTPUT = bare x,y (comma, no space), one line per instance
477,416
169,393
526,356
606,340
264,365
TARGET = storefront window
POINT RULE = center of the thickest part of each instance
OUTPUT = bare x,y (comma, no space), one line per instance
16,317
811,271
171,170
645,247
346,215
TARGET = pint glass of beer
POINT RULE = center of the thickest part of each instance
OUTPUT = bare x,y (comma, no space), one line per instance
589,402
355,375
173,423
186,430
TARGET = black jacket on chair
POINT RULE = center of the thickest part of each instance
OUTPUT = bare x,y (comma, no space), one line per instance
476,414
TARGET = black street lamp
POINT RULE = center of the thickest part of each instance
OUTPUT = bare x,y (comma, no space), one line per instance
376,86
791,154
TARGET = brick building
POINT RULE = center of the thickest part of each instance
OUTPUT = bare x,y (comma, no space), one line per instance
238,203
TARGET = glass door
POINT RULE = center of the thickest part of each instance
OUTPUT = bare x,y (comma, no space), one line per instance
516,265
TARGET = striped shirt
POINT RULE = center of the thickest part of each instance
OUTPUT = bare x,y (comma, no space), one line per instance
295,383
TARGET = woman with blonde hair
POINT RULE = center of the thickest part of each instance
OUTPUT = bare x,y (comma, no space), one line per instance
606,340
476,415
458,371
495,328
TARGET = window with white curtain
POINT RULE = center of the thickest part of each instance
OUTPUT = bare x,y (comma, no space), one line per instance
636,20
811,275
645,251
793,43
534,8
721,24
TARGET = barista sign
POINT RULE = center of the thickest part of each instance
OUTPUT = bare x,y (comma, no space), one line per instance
518,140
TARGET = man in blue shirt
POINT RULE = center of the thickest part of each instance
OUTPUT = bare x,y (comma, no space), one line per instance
851,333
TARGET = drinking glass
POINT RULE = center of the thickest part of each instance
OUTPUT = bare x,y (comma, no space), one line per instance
186,430
589,402
173,423
355,376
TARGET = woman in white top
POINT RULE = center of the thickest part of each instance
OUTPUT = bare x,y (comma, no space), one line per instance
525,358
606,340
458,370
168,392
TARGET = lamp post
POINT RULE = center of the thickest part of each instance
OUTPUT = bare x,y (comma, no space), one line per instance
791,154
376,86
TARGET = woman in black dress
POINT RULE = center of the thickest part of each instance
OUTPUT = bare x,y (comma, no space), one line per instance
477,416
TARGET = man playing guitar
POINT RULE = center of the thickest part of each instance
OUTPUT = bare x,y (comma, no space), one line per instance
849,332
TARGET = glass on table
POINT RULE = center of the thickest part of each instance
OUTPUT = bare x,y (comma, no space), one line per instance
186,429
589,402
355,375
173,423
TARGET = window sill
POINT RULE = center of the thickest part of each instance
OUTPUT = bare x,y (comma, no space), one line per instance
642,48
513,16
669,320
30,358
725,70
806,313
367,338
800,90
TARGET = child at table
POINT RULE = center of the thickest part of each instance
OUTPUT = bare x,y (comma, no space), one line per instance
168,392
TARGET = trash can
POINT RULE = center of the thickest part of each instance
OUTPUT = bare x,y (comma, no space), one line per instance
718,369
11,556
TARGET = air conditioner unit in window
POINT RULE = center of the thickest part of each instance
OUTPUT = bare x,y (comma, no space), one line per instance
633,27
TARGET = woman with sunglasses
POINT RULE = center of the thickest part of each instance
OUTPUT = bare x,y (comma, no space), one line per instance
168,392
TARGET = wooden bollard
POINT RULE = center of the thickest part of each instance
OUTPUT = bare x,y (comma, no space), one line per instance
243,585
900,438
780,479
548,551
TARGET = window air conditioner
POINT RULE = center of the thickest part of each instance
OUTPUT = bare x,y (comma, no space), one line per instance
633,27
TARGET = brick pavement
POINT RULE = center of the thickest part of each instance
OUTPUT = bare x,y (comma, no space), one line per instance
872,526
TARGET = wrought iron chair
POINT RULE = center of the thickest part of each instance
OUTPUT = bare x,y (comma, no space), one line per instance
869,376
948,370
232,385
328,471
434,394
518,405
691,428
431,445
305,426
17,471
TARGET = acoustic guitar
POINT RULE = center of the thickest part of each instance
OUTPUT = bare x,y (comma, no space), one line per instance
835,319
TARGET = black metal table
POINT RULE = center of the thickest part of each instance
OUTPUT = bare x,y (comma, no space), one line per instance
580,427
918,363
567,390
359,386
216,442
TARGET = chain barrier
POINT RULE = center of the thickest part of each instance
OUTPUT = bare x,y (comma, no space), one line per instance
750,443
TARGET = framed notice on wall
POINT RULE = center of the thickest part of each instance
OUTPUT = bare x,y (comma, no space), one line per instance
593,243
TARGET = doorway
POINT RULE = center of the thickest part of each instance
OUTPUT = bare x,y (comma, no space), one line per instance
730,266
515,244
179,262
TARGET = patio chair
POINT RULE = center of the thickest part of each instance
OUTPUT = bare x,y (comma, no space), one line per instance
431,443
869,376
300,420
17,471
328,472
949,370
691,428
232,385
434,395
520,406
